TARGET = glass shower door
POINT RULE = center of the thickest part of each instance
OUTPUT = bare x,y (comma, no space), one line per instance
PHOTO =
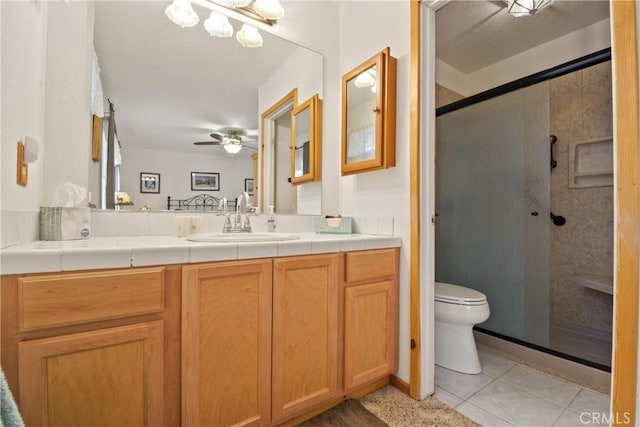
492,200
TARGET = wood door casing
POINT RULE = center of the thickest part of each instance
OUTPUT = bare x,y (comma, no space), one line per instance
226,343
305,333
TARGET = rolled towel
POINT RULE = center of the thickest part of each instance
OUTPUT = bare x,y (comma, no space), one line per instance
9,414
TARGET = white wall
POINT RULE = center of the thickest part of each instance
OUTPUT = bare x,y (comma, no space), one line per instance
364,31
175,174
23,48
68,96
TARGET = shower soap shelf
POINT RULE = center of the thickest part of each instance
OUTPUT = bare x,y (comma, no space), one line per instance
591,163
597,282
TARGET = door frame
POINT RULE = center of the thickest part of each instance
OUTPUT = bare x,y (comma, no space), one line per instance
624,39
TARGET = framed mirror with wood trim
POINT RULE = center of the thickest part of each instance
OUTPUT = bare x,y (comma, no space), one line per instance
306,141
369,115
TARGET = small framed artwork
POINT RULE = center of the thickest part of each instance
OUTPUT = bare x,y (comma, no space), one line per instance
149,182
205,181
248,186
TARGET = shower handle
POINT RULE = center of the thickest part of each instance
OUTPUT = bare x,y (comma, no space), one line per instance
558,220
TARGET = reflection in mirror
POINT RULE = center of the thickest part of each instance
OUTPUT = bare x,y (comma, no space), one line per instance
369,115
361,116
306,141
175,86
276,142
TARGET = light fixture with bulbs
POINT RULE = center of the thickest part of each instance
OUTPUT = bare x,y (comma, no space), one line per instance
521,8
264,11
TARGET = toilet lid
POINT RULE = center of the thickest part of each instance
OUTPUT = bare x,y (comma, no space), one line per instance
447,292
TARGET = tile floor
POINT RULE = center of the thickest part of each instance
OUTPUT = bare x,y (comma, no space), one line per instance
509,394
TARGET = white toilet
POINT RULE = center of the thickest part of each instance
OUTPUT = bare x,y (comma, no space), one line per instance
457,310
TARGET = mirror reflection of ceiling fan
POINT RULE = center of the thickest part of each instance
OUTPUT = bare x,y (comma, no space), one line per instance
231,139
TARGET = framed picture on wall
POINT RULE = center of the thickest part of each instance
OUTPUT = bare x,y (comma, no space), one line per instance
205,181
248,186
149,182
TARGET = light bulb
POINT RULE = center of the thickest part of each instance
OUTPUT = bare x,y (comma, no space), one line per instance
218,25
249,36
181,13
270,9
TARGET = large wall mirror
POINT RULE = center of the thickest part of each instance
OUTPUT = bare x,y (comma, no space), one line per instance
306,141
173,86
369,115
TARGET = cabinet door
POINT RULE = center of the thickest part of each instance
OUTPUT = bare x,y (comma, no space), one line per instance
226,343
370,337
305,333
106,377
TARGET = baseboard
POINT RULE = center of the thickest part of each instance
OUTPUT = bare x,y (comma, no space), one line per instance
577,373
399,384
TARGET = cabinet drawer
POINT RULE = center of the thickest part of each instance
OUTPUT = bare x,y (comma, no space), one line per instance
68,299
368,265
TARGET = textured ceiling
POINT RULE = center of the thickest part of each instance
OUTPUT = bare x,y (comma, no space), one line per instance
471,35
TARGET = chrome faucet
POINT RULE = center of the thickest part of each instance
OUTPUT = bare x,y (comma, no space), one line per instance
240,223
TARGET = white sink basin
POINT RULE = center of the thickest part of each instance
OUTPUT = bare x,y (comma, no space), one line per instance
242,237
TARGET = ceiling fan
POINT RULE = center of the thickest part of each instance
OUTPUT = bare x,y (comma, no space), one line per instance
230,138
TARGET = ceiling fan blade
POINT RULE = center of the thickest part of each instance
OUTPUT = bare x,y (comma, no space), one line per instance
207,143
217,135
249,147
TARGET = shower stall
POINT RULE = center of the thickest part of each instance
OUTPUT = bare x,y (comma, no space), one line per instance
524,200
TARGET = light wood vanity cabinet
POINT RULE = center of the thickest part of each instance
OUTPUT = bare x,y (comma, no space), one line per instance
305,333
93,348
254,342
226,343
370,316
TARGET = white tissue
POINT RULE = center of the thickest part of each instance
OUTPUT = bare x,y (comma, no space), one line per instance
68,195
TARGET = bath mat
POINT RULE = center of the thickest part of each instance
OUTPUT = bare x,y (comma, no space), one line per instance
351,413
397,409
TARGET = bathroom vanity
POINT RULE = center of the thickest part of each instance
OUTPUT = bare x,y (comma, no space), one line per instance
236,333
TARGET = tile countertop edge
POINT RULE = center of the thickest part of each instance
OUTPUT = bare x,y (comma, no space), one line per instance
43,257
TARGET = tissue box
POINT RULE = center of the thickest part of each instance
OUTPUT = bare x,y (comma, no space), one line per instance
331,226
58,223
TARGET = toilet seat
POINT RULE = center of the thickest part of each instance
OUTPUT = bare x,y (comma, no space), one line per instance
459,295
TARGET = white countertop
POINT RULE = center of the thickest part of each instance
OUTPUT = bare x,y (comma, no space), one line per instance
136,251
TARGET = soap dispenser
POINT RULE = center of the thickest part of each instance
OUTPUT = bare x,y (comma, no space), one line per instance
271,219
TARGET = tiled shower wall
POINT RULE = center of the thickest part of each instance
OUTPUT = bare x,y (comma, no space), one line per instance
581,110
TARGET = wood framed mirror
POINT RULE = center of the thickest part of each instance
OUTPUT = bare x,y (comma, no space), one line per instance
369,115
306,129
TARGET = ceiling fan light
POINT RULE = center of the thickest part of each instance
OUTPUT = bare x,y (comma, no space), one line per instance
181,13
218,25
520,8
270,9
249,36
232,148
